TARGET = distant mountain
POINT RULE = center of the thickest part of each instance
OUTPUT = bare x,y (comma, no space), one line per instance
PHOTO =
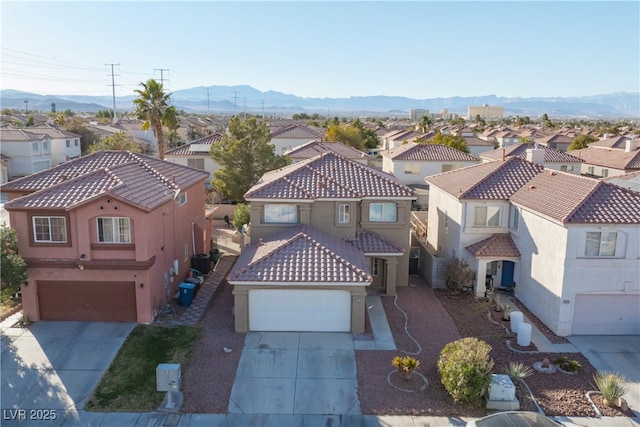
236,99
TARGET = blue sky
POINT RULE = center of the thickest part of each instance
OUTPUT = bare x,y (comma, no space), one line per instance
419,49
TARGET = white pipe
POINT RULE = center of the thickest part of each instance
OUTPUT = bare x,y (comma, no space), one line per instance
193,237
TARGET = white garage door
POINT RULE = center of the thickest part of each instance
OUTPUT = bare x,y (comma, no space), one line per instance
299,310
606,315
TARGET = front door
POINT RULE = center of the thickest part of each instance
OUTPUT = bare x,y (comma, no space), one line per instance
507,274
378,273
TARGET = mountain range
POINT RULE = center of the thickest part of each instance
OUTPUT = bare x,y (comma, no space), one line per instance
238,99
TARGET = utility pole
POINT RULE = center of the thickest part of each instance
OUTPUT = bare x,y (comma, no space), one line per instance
208,111
113,91
235,105
263,109
26,106
162,70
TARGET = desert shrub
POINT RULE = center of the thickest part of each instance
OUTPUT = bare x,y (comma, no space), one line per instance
458,274
611,385
517,371
465,369
241,216
566,364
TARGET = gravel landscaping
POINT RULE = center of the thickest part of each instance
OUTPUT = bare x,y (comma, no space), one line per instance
434,319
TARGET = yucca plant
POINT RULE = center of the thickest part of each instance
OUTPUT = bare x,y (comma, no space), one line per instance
611,385
517,371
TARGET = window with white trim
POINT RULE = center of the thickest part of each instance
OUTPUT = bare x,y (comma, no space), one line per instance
375,266
515,218
196,163
182,199
601,243
605,173
451,167
382,212
412,169
35,146
114,230
45,145
280,214
344,214
75,142
486,216
68,143
591,170
50,229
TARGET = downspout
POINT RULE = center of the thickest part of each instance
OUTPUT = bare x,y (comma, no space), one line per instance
193,237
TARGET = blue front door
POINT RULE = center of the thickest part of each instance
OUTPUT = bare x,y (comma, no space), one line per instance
507,274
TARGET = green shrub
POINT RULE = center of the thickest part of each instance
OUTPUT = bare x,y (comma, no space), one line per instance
567,365
241,216
465,369
611,385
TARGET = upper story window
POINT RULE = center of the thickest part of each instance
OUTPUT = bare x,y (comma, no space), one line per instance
590,170
382,212
605,173
36,147
68,143
344,214
451,167
196,163
182,199
114,230
50,229
75,142
486,216
601,243
515,218
45,145
280,214
412,169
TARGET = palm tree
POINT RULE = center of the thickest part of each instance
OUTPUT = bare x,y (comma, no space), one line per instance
152,106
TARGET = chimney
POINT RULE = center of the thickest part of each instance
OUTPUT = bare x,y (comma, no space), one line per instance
535,155
630,145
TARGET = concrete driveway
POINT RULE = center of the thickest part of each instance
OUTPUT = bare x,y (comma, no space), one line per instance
296,373
56,365
614,353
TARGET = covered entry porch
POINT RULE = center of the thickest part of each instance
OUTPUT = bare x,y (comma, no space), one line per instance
496,263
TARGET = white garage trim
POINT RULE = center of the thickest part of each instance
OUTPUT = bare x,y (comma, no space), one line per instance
299,310
606,314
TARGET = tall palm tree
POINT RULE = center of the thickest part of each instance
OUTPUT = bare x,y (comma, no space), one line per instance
152,106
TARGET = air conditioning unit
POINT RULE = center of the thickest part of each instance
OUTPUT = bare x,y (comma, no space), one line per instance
168,377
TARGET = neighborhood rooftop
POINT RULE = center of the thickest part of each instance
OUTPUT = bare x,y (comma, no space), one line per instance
315,147
520,150
327,176
427,152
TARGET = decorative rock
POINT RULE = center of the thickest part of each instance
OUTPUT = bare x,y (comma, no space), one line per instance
545,362
549,369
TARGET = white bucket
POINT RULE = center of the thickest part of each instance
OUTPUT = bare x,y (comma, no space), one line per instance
516,319
524,334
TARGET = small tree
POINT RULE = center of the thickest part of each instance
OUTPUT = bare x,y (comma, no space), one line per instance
458,274
118,142
241,216
14,269
581,141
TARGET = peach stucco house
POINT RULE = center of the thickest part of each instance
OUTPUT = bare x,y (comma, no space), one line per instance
108,236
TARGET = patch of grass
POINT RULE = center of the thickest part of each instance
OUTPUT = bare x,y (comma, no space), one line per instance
130,382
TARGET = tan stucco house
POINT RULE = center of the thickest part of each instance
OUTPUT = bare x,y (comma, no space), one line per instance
108,236
324,232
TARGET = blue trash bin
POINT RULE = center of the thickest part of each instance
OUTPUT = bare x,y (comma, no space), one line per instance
186,293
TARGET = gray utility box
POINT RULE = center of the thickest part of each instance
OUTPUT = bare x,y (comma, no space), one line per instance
168,377
501,388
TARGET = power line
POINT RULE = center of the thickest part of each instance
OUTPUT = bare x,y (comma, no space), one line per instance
113,87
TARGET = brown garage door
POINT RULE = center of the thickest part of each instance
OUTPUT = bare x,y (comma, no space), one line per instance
97,301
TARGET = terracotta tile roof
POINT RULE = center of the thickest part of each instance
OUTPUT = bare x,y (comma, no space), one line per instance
199,147
498,245
408,135
520,150
573,199
371,243
615,159
134,178
297,130
473,141
495,180
328,176
53,131
302,255
617,142
555,138
428,153
9,133
315,147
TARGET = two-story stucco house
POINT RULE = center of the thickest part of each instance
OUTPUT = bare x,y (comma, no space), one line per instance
609,157
323,232
108,236
569,244
196,154
65,145
286,137
28,152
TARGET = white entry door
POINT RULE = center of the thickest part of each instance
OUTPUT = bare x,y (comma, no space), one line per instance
299,310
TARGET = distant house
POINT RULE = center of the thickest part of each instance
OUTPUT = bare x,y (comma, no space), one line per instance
556,141
609,157
288,136
315,147
551,158
323,231
29,152
396,138
65,145
566,244
108,236
196,154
